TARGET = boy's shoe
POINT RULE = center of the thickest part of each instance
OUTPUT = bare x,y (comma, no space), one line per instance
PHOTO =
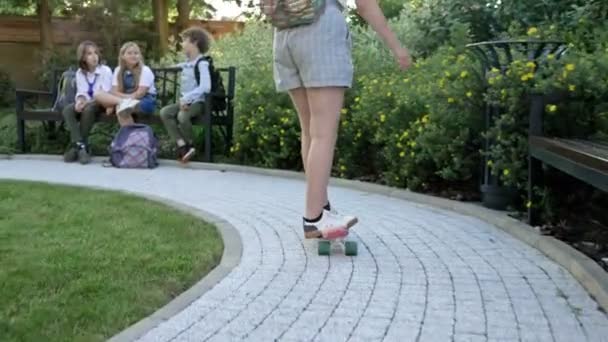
84,155
126,107
181,151
71,154
328,223
189,154
184,153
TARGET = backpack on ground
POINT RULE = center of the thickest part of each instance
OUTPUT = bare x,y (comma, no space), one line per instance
284,14
134,147
66,90
218,92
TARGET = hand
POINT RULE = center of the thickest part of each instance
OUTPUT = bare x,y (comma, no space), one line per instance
79,106
109,111
402,56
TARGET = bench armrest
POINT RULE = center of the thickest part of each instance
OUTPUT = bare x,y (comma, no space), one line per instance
31,93
22,95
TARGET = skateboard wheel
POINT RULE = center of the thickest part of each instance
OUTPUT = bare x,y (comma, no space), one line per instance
350,248
324,247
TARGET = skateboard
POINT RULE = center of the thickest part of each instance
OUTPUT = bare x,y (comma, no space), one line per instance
336,239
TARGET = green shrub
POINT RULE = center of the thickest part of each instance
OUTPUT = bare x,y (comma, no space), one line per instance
267,128
7,90
412,129
581,77
437,102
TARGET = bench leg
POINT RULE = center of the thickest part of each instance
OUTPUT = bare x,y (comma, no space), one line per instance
208,135
535,175
228,139
51,130
21,134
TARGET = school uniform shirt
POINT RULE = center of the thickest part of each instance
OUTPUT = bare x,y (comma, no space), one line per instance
89,83
190,90
146,79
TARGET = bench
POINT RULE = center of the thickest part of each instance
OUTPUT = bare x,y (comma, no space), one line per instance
167,84
580,158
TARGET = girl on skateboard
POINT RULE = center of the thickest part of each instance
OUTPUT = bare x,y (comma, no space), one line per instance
313,63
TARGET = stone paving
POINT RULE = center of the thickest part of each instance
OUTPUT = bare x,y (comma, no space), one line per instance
421,274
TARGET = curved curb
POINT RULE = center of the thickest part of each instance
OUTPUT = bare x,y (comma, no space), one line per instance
231,256
587,272
233,251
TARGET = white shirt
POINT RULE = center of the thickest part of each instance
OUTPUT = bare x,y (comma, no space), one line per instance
101,79
145,80
191,91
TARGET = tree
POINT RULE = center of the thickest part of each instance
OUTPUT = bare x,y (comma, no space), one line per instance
46,30
115,20
15,7
161,24
183,14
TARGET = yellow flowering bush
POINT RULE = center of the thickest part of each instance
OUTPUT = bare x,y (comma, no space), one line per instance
423,128
416,128
579,79
438,146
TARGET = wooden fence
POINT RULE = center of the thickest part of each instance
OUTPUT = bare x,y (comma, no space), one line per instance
20,41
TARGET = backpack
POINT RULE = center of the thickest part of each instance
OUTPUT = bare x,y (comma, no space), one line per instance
134,147
218,92
285,14
66,90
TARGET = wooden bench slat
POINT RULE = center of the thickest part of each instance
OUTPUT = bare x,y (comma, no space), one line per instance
50,115
577,158
588,147
45,114
592,154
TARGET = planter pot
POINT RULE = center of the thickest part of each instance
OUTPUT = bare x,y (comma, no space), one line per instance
497,197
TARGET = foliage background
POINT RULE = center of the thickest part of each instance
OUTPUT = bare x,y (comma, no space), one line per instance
423,129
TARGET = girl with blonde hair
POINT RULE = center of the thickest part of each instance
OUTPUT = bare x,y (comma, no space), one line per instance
133,88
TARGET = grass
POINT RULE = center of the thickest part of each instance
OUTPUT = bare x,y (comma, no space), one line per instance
81,265
8,131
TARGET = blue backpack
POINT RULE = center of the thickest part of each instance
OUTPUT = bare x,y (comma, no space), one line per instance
134,147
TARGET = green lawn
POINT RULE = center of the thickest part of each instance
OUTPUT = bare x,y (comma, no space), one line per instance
8,131
81,265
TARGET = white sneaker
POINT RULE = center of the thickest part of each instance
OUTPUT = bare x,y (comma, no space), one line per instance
347,220
329,221
126,106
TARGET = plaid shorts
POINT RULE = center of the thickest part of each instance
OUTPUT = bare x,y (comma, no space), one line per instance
316,55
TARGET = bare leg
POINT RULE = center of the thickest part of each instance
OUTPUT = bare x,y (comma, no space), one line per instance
325,104
107,99
300,101
110,102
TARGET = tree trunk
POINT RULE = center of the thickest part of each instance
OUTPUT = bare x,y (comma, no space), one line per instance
183,15
46,31
161,23
113,30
